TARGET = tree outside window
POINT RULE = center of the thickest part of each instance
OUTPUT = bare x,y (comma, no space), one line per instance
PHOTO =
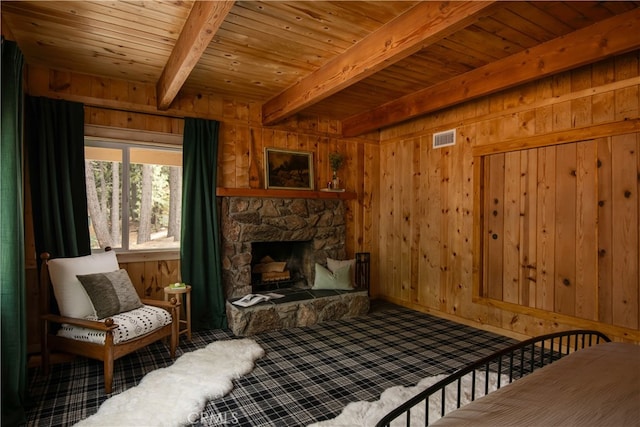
134,196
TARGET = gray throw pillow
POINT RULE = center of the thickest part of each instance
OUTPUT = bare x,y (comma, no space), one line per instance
339,279
111,293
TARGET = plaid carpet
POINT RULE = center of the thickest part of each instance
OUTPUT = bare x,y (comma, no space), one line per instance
308,374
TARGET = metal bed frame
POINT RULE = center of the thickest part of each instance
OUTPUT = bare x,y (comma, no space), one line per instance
516,361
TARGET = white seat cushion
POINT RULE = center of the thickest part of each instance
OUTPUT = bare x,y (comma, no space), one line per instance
131,324
73,300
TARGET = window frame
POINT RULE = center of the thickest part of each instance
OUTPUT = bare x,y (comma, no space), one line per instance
125,145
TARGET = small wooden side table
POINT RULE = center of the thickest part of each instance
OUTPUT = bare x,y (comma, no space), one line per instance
168,290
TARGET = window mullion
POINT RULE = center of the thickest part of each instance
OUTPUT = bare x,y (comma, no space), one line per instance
126,186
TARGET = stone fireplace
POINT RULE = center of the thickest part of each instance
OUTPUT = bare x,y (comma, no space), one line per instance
318,225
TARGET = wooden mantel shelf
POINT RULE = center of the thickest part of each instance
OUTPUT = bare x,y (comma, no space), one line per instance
284,194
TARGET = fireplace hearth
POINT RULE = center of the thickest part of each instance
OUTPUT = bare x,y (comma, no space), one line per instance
310,229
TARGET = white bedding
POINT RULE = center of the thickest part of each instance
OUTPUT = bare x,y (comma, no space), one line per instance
596,386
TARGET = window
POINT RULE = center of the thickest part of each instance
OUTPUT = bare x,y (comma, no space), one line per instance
134,195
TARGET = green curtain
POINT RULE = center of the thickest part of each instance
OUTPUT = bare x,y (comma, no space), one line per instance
54,131
199,247
12,278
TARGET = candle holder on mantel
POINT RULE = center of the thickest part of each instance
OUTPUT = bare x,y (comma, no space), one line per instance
335,160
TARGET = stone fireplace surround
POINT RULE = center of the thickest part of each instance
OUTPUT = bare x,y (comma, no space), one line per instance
245,220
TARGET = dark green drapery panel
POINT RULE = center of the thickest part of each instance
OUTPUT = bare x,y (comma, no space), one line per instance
54,130
12,278
199,246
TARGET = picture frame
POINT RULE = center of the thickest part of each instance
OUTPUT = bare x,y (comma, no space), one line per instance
288,169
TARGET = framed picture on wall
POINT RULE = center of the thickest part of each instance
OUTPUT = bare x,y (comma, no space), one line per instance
288,169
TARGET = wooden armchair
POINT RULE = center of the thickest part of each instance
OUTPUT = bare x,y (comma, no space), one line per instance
80,332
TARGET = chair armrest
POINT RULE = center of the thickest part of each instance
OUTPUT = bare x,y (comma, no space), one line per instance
162,304
106,325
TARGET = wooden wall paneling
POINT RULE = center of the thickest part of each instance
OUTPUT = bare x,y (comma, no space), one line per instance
118,90
167,272
351,165
360,189
544,113
626,99
404,218
509,127
565,237
586,248
372,207
422,211
602,104
602,107
625,230
528,230
153,280
445,227
397,206
546,228
605,231
324,174
242,146
467,232
494,229
626,102
139,94
415,220
556,195
354,182
226,157
581,107
431,231
268,137
292,141
256,177
456,235
512,225
60,81
561,85
387,211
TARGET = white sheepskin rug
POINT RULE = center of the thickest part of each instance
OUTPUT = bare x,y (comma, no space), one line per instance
176,395
367,414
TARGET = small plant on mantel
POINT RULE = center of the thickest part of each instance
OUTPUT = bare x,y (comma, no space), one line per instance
336,160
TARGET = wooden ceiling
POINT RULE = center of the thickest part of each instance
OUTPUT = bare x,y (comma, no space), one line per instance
369,64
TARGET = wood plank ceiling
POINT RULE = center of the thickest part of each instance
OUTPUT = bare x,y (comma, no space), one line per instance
369,64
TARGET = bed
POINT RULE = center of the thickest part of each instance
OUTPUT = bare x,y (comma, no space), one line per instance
568,378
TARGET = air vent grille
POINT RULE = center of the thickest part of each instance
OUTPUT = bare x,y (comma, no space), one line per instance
443,139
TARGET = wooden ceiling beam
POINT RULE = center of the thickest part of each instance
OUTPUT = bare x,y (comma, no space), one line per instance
423,24
604,39
199,29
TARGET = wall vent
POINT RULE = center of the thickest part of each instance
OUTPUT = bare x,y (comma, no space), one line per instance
443,139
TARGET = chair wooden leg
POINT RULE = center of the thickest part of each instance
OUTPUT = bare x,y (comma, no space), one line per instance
108,373
108,362
175,332
44,348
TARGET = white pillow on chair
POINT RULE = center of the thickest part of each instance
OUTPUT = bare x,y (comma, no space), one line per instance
73,300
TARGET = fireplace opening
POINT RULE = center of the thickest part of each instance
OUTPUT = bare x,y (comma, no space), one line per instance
278,265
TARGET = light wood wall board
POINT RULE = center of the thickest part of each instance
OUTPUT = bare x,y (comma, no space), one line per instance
624,200
544,191
577,172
